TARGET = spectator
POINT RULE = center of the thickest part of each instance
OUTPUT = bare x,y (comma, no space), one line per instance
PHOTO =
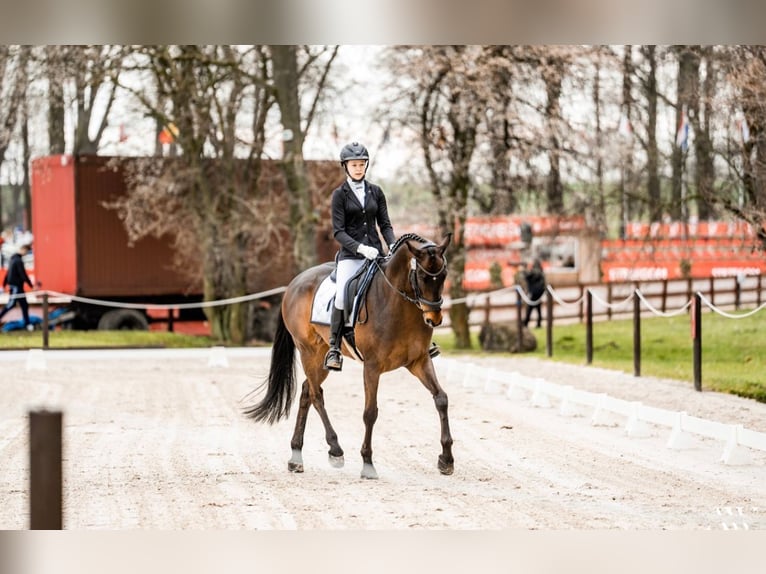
15,279
535,279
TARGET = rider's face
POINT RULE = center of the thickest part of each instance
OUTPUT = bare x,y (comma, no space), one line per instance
356,168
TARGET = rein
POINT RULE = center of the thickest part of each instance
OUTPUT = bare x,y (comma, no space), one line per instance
419,301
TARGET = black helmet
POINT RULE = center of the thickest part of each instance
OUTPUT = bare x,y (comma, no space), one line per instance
353,150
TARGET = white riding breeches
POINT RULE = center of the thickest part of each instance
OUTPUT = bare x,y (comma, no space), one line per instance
346,270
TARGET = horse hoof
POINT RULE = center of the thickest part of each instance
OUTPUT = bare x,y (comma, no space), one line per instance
295,463
446,468
369,472
336,461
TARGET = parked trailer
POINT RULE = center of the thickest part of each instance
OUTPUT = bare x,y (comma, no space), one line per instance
82,250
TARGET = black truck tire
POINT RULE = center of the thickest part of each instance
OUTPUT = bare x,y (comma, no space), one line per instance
123,320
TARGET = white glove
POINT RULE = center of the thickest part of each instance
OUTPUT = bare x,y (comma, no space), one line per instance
367,251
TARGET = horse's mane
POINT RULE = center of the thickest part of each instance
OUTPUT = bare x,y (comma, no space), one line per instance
408,237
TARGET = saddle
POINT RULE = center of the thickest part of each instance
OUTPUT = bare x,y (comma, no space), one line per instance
356,301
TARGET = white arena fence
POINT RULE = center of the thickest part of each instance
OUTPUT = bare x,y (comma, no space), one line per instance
572,402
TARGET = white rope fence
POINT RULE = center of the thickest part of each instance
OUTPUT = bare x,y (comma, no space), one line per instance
64,297
723,313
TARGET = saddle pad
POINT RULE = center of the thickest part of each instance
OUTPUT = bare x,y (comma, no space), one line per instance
324,300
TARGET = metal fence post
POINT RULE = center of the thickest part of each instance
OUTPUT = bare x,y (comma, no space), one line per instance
636,334
519,322
697,340
46,321
588,327
548,321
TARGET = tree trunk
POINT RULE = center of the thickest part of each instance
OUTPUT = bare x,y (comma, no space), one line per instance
685,100
56,136
654,199
302,216
554,188
626,173
703,147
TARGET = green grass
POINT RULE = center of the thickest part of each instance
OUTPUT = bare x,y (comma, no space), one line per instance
101,339
733,350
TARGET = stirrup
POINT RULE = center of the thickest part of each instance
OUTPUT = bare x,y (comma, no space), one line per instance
333,360
434,350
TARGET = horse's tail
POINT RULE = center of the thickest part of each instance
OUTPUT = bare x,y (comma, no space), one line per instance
280,391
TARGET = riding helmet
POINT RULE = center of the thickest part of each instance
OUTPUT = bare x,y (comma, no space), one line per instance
353,150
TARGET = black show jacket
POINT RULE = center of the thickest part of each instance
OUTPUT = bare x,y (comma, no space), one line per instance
353,223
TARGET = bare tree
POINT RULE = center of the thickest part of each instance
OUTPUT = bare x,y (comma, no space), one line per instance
293,67
13,86
745,71
84,80
448,106
208,93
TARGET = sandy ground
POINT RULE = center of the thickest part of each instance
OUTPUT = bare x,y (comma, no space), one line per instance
155,440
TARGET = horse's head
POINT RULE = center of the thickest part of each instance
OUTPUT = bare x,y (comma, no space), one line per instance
428,270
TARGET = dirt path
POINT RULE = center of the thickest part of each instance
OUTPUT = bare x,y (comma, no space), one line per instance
155,440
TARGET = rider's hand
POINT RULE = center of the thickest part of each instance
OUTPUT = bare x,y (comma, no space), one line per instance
367,251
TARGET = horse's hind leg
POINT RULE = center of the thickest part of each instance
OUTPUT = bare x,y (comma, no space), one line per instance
295,463
316,374
424,370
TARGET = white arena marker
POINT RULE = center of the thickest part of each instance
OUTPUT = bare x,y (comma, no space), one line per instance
218,357
679,439
36,360
734,452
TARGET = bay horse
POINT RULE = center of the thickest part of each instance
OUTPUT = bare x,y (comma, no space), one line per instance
403,305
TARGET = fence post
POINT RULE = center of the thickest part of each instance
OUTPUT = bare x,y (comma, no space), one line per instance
45,489
697,340
171,328
588,327
636,334
46,322
548,321
738,280
609,300
519,322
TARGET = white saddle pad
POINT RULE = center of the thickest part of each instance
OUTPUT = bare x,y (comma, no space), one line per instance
324,300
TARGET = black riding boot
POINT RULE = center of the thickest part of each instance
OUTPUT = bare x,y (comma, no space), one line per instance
333,360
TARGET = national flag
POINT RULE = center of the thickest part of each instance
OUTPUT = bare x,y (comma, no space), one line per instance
682,136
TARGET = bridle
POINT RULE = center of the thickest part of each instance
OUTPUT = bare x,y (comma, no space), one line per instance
425,305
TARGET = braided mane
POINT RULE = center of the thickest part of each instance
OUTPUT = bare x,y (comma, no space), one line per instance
407,237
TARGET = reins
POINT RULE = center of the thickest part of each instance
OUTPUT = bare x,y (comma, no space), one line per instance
419,301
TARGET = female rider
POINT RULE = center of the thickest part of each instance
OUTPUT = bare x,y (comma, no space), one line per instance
358,210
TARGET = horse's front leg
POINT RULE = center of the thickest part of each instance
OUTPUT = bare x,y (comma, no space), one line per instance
424,371
371,379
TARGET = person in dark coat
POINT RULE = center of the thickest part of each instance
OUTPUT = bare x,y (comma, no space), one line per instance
535,279
15,279
359,209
